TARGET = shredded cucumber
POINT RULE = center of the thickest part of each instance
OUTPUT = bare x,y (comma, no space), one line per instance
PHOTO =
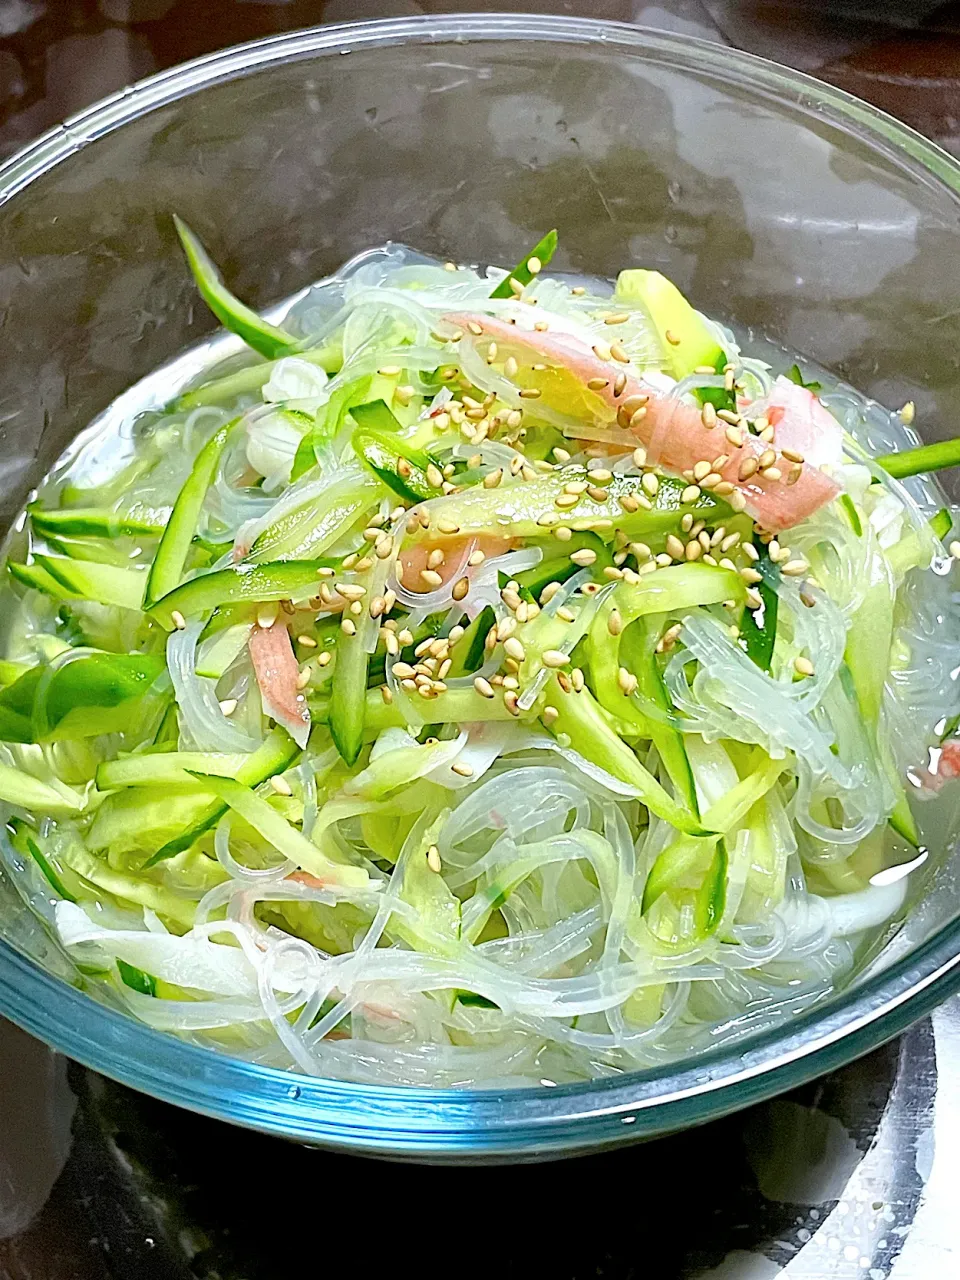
610,726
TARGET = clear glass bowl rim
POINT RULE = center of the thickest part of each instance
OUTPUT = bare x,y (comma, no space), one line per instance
530,1123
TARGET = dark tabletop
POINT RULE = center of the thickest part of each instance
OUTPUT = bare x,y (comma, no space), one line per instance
855,1175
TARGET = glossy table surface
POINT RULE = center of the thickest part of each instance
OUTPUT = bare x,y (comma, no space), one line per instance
853,1176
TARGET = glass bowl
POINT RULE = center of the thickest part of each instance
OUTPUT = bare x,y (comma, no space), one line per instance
774,201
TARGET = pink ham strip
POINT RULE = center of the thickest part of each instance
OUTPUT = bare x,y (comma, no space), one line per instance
672,432
277,671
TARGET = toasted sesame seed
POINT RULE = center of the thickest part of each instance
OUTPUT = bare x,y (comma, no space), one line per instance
735,436
711,480
619,353
561,455
767,434
701,469
578,289
434,476
493,478
791,455
555,658
908,413
748,467
621,317
620,383
803,666
693,550
650,483
795,568
350,590
577,680
639,456
597,494
228,706
431,577
462,768
767,458
750,575
630,406
584,557
598,384
754,598
629,502
514,649
719,462
483,687
475,329
674,547
672,338
728,380
510,702
627,681
303,679
615,622
530,393
324,659
727,415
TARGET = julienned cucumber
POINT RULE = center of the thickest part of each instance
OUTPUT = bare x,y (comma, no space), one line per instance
277,754
171,557
269,339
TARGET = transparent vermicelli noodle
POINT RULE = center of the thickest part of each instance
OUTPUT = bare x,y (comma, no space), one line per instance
487,678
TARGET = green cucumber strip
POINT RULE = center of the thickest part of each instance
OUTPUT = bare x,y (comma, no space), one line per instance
155,768
544,250
10,672
26,840
100,693
89,522
245,381
269,339
712,894
585,723
91,580
651,685
397,463
17,787
941,523
136,979
452,707
853,515
679,858
276,754
759,638
305,531
719,397
927,457
348,697
329,421
740,799
37,579
279,832
515,509
223,651
241,584
168,564
795,375
467,655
